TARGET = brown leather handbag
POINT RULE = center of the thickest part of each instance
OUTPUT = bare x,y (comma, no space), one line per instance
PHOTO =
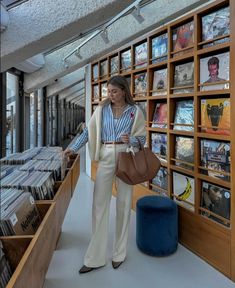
137,167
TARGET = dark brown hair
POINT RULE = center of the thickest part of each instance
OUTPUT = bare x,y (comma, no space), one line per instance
120,82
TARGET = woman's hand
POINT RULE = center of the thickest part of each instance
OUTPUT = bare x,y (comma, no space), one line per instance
68,152
125,138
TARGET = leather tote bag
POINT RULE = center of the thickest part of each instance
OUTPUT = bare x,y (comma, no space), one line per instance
137,167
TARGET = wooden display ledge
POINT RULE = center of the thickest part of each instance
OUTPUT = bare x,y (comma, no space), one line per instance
30,255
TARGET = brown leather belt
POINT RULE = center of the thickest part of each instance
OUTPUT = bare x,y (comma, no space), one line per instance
112,142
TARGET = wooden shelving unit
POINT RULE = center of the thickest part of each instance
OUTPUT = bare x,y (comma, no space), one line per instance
209,239
30,256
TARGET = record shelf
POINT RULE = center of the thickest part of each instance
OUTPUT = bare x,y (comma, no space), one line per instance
30,256
184,59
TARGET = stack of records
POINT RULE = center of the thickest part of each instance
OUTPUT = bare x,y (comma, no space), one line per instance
20,158
39,184
19,214
7,169
5,269
49,153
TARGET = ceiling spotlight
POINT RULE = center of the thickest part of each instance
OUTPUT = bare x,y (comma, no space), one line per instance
136,14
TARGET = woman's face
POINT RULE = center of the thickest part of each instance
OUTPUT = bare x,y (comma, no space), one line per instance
116,94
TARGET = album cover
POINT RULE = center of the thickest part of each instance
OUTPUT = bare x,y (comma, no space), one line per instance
126,60
159,82
143,106
215,156
184,150
161,178
104,90
95,71
104,68
184,114
183,190
96,93
217,200
183,36
159,48
215,116
184,76
159,144
160,116
141,55
216,24
140,84
214,69
114,65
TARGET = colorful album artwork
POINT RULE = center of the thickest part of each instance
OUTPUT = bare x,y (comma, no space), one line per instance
159,82
141,55
159,48
183,36
114,65
160,116
161,180
159,144
184,114
126,60
215,116
140,84
214,69
96,93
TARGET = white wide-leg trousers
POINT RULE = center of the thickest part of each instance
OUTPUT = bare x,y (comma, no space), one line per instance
97,251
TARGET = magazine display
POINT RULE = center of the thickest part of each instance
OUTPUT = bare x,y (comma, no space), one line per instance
161,180
126,60
184,76
215,156
183,37
184,114
104,68
104,90
215,116
141,55
96,94
159,48
114,65
184,151
159,82
140,84
5,269
216,24
214,69
217,200
184,190
160,116
143,106
95,72
159,144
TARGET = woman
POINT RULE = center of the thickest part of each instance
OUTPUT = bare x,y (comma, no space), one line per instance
114,125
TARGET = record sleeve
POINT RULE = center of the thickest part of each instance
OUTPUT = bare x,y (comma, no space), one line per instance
143,106
184,76
184,114
95,71
215,116
96,93
104,68
126,60
217,200
161,178
140,84
184,150
183,36
160,116
159,144
141,55
159,82
104,90
159,48
114,65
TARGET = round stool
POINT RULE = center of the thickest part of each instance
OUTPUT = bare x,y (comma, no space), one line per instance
156,225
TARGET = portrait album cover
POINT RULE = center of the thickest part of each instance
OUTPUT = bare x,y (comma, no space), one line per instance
215,156
161,179
215,116
143,106
104,68
159,48
96,93
184,190
184,76
160,116
217,200
184,114
216,24
114,65
159,144
126,60
214,69
141,55
95,71
140,88
184,151
182,36
104,90
159,82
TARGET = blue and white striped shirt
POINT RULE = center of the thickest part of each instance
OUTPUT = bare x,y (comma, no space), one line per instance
111,128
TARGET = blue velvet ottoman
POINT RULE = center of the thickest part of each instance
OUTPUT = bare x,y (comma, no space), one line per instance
156,225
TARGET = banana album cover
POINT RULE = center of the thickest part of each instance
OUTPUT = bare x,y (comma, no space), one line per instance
215,116
141,55
159,82
183,190
217,200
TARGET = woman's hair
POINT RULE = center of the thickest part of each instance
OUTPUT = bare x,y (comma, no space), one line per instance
120,82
